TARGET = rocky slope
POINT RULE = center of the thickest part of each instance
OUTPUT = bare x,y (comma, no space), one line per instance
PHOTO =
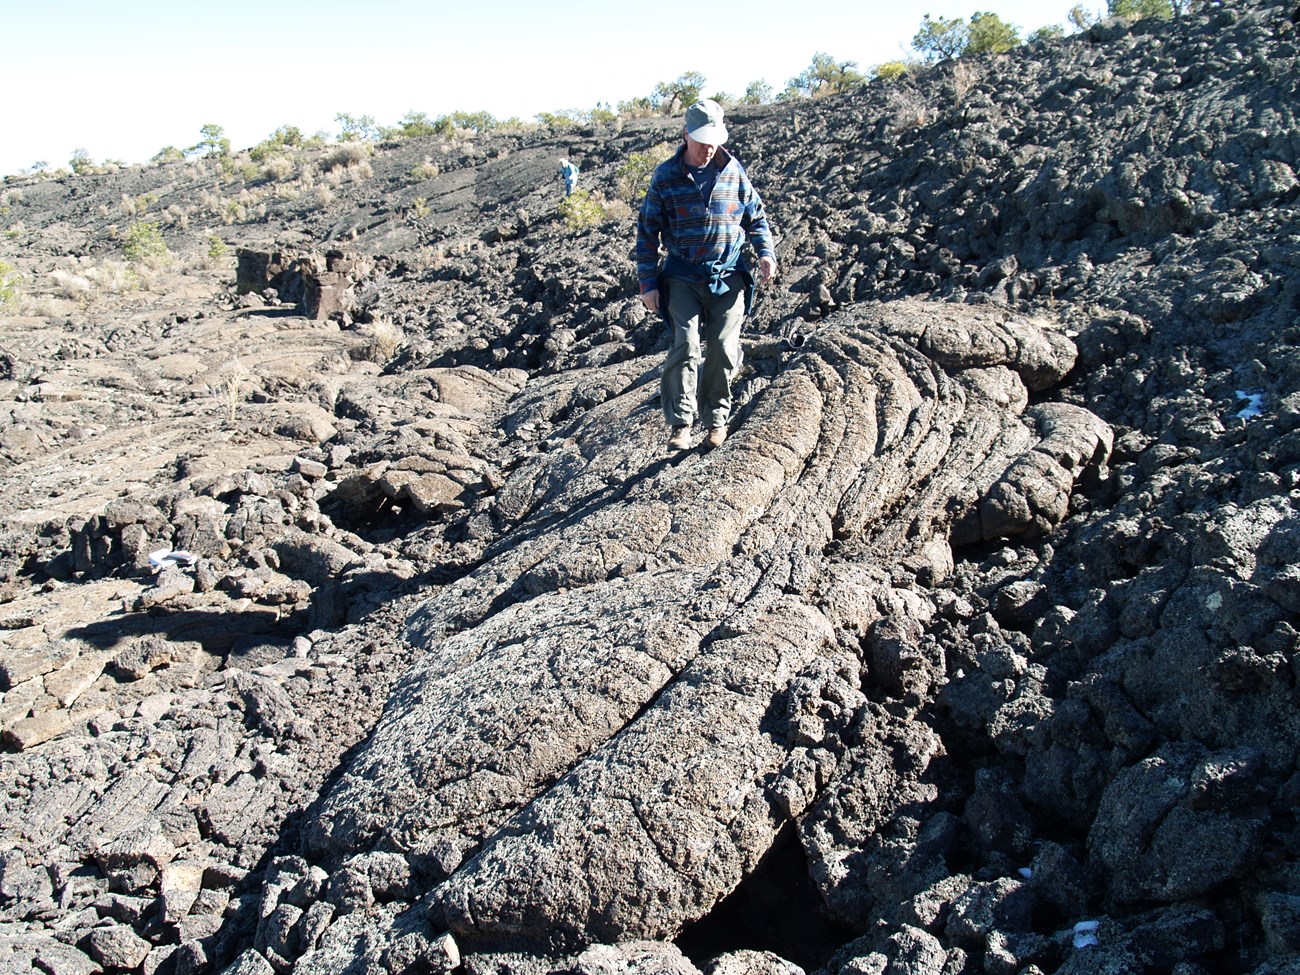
356,621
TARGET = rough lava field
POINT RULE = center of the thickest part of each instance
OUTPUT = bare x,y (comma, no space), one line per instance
355,621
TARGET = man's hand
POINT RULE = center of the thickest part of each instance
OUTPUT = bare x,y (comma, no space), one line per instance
651,300
766,269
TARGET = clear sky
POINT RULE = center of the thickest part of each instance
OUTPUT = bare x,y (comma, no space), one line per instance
122,80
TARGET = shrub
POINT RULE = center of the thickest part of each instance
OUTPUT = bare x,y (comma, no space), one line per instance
636,108
356,129
10,285
230,381
426,170
81,162
1081,18
890,70
142,241
419,208
278,168
216,249
634,175
114,277
70,285
580,209
563,119
907,108
417,124
684,91
938,40
286,136
990,34
479,122
1137,9
213,143
346,155
824,76
383,338
1051,32
168,154
758,93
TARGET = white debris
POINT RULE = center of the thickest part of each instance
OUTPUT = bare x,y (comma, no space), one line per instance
1254,404
1085,934
165,557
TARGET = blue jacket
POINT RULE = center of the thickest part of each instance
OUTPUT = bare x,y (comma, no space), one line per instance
703,240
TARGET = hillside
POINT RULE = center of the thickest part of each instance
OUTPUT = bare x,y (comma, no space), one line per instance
355,619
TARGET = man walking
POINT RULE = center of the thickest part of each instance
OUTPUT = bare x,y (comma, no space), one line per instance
701,208
569,174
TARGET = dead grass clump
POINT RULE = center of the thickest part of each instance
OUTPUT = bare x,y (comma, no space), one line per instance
114,277
426,170
347,155
382,341
230,379
278,168
964,78
69,284
907,109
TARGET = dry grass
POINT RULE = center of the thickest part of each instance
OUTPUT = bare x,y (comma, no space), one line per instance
382,341
230,382
964,78
348,155
278,168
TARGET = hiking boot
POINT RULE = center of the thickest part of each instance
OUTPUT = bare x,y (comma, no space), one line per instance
681,439
717,437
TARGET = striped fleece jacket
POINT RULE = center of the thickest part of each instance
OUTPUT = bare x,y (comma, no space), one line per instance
702,239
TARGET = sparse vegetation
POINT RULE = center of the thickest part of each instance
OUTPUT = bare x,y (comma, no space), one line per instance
383,339
419,208
347,155
758,93
274,146
143,241
939,39
81,162
635,172
70,284
231,379
213,143
416,124
10,286
426,170
278,168
824,76
114,277
908,109
990,34
1139,9
964,78
216,249
682,92
167,154
356,128
1051,32
581,209
890,70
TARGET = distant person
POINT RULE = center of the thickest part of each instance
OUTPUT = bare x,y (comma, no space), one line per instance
568,173
700,208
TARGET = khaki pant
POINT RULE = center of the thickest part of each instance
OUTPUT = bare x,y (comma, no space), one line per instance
693,384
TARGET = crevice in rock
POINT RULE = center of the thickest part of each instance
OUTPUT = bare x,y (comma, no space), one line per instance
776,908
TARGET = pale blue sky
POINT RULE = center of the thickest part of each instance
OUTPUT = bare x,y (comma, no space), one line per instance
122,80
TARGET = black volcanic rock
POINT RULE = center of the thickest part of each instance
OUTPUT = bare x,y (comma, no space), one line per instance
355,620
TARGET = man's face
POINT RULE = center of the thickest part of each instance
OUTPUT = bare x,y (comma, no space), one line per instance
698,153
